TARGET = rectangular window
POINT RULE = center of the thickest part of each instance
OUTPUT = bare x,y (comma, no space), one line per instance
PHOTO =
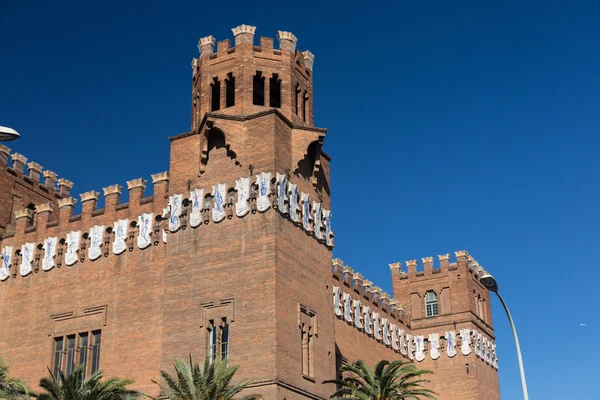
70,355
58,352
212,341
83,350
96,337
275,91
71,351
304,105
224,340
215,94
218,340
230,90
258,89
298,91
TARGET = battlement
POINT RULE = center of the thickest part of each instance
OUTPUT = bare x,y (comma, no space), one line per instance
244,35
150,219
371,296
412,270
244,78
51,182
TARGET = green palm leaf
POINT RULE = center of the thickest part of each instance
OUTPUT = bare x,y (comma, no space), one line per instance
396,380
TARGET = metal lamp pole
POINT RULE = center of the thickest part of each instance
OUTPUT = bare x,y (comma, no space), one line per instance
490,283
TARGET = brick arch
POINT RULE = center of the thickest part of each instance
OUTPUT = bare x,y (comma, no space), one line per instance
214,139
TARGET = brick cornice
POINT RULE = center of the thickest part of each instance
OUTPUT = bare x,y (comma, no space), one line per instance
242,118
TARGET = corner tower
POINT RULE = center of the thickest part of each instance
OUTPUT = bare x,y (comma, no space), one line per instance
262,273
451,299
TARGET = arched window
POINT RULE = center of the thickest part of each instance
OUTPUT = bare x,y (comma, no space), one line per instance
431,304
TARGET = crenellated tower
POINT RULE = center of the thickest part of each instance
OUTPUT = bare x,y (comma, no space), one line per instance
450,298
245,79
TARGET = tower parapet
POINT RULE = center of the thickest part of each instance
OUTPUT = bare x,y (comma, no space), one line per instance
246,79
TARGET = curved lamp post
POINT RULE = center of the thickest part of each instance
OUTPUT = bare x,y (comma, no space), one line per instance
8,134
490,283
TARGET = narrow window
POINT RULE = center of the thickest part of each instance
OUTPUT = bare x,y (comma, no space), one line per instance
224,340
83,350
258,89
212,341
275,91
230,90
70,355
479,307
307,351
58,352
304,104
216,94
431,304
96,336
298,91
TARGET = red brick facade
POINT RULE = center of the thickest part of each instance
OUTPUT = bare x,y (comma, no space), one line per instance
267,274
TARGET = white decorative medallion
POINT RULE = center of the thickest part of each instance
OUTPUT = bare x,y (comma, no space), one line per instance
434,345
451,343
218,212
293,191
318,210
49,247
419,347
263,181
328,232
242,186
175,207
95,250
6,260
26,258
120,243
281,192
144,229
305,198
196,197
73,239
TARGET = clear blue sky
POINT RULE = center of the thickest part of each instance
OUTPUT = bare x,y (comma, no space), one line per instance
473,126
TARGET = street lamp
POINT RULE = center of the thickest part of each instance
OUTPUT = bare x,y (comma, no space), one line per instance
8,134
490,283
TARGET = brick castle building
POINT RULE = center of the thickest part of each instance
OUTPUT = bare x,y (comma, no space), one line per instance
230,256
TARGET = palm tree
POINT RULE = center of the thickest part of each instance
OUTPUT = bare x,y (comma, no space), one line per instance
11,388
397,380
77,387
211,381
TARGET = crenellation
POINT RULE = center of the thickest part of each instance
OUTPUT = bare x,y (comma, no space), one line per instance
266,43
223,46
348,275
206,46
357,282
244,34
64,187
427,264
287,41
376,291
309,60
4,154
19,162
50,179
411,267
136,189
35,170
112,195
